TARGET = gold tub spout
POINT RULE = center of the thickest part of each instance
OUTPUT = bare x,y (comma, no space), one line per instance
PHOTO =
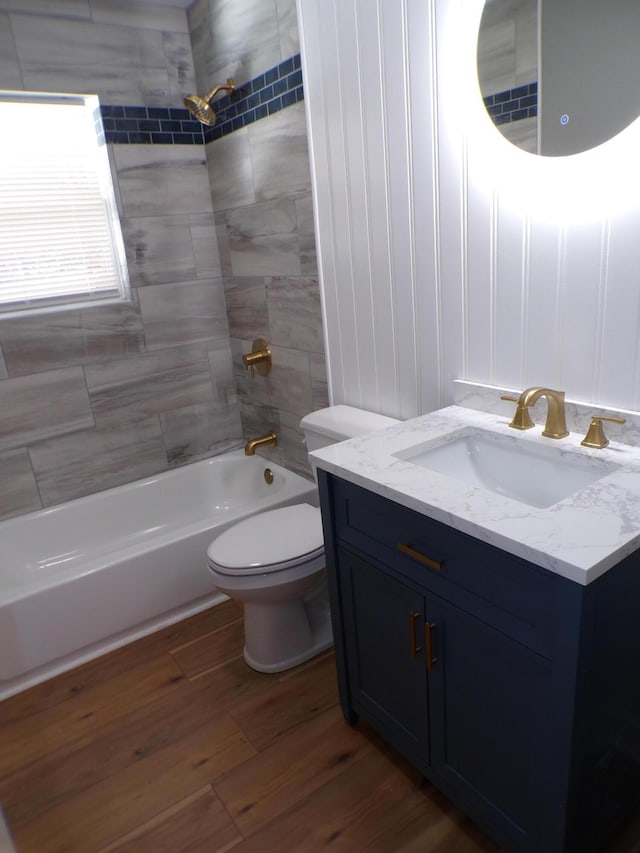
262,441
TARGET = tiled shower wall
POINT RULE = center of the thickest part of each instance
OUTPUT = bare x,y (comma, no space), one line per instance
261,192
508,67
101,396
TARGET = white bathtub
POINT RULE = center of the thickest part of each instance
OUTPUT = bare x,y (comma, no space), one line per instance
90,575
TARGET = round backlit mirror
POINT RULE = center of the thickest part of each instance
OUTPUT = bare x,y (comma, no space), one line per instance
560,76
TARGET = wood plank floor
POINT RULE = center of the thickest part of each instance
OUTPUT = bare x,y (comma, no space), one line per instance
174,744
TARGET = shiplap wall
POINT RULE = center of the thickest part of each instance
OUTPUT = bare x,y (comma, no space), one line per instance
432,267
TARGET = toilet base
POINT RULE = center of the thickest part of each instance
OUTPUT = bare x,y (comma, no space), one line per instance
281,636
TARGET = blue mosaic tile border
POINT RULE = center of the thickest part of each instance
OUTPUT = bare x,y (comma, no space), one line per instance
279,87
513,104
127,125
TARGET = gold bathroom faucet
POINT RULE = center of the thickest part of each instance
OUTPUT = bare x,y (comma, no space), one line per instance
262,441
555,425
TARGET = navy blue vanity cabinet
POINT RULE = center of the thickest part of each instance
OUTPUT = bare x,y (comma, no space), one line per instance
384,646
491,675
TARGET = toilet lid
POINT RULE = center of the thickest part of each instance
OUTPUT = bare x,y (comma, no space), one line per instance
272,540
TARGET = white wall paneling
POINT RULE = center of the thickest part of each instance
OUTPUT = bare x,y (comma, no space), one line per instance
445,252
363,138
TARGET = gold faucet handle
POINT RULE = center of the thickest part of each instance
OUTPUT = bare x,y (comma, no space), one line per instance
595,436
259,359
521,418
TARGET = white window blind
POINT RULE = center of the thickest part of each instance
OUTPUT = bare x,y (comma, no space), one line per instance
60,238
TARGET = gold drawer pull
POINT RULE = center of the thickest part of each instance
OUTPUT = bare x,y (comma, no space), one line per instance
410,551
430,660
412,633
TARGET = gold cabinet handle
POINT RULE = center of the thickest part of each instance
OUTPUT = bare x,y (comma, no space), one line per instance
410,551
430,660
412,633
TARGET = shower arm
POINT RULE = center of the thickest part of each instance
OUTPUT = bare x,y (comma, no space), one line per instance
229,86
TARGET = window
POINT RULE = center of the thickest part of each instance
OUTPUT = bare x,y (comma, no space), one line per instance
60,238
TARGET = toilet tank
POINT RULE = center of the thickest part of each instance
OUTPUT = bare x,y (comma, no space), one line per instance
337,423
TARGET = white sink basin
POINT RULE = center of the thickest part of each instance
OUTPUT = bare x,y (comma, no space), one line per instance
536,475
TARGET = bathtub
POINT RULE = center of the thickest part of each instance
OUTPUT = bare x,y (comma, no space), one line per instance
85,577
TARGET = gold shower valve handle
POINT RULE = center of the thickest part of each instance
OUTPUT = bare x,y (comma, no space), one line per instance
595,436
259,359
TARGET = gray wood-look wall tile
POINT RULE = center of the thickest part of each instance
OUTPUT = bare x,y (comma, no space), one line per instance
199,22
293,305
167,178
122,65
41,342
508,45
143,15
287,386
182,313
304,214
222,239
288,27
150,384
497,54
93,460
110,331
319,384
263,239
522,133
246,300
280,139
163,249
233,38
205,245
182,75
293,444
258,419
43,405
33,344
306,235
230,171
291,381
18,489
308,257
527,42
199,431
221,367
159,249
9,69
60,9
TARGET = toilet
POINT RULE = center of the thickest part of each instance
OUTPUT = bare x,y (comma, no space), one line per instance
274,562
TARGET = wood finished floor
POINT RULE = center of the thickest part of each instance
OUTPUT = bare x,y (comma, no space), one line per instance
173,744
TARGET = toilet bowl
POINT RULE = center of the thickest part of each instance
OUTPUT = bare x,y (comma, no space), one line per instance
274,562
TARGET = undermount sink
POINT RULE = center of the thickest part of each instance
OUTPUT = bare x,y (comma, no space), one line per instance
536,475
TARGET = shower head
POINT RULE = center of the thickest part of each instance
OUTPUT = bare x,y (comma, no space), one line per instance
201,109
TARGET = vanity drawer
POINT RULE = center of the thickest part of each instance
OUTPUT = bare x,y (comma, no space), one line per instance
513,595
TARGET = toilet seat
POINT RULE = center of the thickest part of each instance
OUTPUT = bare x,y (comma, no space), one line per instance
269,542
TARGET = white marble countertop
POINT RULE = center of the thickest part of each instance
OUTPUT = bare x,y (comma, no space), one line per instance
579,538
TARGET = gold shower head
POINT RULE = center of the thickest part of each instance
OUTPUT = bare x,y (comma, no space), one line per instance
201,109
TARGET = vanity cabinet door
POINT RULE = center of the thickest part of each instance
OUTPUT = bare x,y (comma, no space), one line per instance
465,703
489,703
383,621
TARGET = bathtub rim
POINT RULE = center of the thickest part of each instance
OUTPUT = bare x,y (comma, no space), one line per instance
19,588
108,642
